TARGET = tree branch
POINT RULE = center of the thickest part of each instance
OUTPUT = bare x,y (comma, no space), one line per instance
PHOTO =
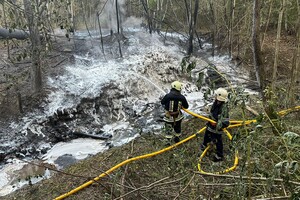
246,177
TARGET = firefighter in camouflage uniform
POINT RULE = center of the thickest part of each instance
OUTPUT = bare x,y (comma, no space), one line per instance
218,113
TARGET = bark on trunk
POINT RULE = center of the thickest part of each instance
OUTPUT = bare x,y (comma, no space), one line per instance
193,22
100,29
274,75
149,18
118,28
214,27
230,37
36,72
295,65
258,64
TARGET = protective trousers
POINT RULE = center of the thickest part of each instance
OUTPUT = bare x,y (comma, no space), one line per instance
171,127
216,139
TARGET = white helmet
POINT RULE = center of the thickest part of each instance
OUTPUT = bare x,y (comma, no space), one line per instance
221,94
176,85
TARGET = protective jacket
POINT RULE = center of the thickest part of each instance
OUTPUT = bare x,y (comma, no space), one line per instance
172,103
218,113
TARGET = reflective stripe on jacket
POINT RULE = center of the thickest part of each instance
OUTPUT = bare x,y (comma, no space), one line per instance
172,103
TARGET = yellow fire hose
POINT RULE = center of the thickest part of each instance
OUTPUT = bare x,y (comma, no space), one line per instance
126,162
233,124
285,112
236,159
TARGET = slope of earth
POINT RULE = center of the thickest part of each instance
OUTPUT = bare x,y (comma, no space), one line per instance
174,174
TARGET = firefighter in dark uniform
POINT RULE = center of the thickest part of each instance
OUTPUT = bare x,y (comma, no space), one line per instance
218,113
172,103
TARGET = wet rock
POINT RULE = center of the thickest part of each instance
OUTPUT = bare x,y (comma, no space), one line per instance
65,160
44,150
65,114
2,156
214,79
110,145
20,155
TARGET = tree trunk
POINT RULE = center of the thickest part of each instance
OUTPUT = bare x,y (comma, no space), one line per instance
149,20
267,23
100,29
258,64
165,13
295,64
85,19
71,15
193,22
188,13
118,17
274,74
5,23
232,3
214,27
118,28
36,72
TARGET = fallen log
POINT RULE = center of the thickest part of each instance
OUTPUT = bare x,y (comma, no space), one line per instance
94,136
13,34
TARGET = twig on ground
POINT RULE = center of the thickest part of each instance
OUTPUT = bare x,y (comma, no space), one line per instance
125,171
185,187
272,198
246,177
143,187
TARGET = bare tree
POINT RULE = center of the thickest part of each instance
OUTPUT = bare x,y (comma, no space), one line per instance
295,63
70,6
258,64
149,18
100,30
274,74
36,72
231,25
214,26
192,22
85,18
118,27
267,23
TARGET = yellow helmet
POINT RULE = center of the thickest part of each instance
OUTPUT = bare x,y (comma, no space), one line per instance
221,94
176,85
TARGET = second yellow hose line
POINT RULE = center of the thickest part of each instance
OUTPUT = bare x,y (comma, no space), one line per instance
235,124
236,159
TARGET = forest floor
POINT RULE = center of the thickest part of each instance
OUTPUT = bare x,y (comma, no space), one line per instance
173,174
